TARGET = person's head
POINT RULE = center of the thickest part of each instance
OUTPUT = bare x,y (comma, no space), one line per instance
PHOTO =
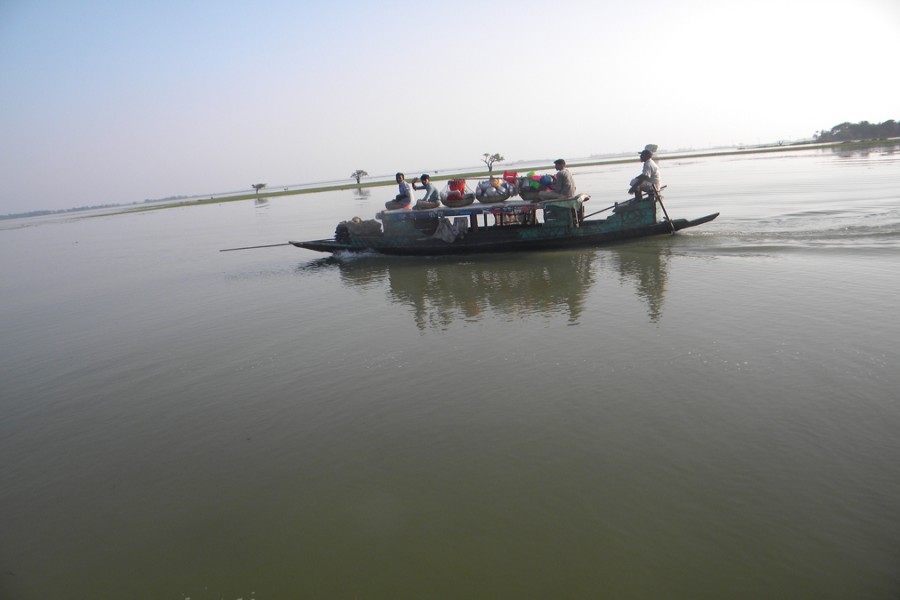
425,178
560,164
400,176
646,155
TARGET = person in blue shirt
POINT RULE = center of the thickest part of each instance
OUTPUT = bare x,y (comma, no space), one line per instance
431,198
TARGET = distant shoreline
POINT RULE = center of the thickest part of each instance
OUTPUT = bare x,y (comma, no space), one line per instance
332,187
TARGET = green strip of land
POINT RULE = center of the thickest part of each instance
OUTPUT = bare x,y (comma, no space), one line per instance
482,173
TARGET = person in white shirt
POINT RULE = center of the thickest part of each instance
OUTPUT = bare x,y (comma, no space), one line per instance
648,180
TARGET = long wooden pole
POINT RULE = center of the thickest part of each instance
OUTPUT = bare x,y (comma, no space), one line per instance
665,212
254,247
600,211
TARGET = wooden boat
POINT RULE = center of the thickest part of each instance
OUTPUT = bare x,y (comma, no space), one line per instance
507,226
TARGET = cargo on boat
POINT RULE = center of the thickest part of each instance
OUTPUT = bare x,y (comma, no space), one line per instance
505,226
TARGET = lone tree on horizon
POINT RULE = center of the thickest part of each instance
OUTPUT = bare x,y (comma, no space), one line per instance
490,159
358,174
257,187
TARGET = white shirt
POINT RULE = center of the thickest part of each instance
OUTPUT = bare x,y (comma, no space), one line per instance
651,171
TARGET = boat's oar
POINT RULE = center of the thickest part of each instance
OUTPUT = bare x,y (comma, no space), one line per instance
665,212
254,247
600,211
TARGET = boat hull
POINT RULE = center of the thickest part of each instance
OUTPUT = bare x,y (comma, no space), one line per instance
509,239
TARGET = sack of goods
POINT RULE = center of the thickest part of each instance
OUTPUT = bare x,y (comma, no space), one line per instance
357,226
455,195
493,190
531,184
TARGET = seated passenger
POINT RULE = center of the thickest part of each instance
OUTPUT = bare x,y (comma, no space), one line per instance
403,198
648,180
563,186
430,200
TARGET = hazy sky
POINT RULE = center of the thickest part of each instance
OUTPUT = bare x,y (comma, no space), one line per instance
119,101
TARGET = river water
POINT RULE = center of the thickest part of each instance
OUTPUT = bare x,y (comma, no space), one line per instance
713,414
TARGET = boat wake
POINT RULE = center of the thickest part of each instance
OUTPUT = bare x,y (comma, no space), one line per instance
809,231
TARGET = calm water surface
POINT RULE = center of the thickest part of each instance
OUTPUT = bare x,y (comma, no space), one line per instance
708,415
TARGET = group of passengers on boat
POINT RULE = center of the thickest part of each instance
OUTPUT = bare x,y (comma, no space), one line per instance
531,187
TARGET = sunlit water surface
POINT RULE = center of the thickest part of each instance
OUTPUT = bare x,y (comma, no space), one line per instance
708,415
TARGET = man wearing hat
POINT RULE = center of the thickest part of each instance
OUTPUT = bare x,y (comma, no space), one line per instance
648,180
563,186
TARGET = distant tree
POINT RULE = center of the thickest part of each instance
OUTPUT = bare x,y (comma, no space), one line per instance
358,174
490,159
257,187
846,132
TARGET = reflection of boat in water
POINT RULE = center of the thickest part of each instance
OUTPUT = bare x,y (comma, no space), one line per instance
514,225
519,285
645,267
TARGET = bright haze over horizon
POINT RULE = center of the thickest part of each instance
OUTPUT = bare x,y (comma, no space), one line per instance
115,102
